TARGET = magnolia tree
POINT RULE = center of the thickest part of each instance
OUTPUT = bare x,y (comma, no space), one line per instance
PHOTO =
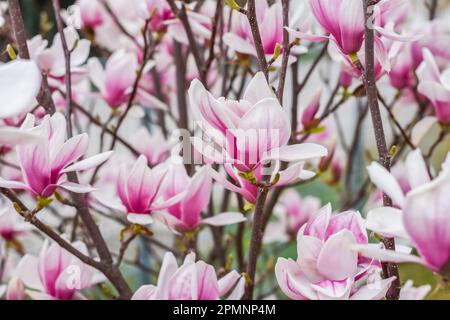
204,150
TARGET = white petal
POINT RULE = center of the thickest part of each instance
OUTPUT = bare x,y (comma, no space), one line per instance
20,82
374,251
386,221
13,136
142,219
297,152
89,163
385,181
77,188
225,219
417,169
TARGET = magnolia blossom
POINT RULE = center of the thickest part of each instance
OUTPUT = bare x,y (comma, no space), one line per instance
52,61
435,86
55,274
140,190
292,213
154,146
251,132
160,12
11,226
44,165
117,78
326,267
345,22
186,214
92,13
191,281
422,217
20,82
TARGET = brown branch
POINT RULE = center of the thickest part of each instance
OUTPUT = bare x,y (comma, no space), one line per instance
67,57
255,241
216,21
193,46
286,51
252,19
390,269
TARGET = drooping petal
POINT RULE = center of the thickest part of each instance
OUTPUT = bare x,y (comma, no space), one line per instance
387,222
386,182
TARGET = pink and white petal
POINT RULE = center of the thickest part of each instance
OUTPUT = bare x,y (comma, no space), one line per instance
239,44
145,293
96,73
290,175
297,152
417,169
292,281
39,296
14,136
306,36
239,290
27,271
336,252
374,251
77,188
169,202
382,54
308,251
227,282
385,181
89,163
8,184
258,89
373,291
334,290
225,219
395,36
140,218
69,152
168,269
387,222
208,151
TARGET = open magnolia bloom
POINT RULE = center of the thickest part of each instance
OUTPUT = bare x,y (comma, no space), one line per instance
20,82
422,217
56,274
326,267
51,60
44,165
191,281
185,215
141,191
250,133
344,21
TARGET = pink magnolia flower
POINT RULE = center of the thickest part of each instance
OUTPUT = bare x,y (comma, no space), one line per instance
155,147
186,214
345,22
270,21
140,190
160,12
11,226
116,80
326,267
44,165
250,132
55,274
292,213
435,86
52,61
422,217
92,13
191,281
20,82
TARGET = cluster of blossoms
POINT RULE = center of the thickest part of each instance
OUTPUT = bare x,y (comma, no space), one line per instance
136,135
